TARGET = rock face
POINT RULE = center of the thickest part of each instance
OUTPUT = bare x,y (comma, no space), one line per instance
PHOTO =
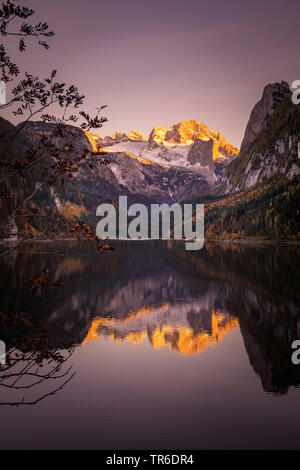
33,131
202,151
273,94
147,183
157,137
271,142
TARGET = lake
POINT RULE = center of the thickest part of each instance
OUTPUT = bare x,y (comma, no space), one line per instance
150,346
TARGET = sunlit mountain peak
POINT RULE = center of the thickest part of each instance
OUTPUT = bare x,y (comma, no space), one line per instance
186,133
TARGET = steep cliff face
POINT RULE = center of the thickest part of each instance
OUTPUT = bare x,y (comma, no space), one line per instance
202,152
271,144
273,94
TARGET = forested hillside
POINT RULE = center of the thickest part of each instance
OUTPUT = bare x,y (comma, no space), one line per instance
267,210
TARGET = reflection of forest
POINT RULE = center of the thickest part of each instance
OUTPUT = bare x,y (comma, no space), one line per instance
184,300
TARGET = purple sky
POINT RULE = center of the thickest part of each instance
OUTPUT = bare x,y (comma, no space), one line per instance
159,62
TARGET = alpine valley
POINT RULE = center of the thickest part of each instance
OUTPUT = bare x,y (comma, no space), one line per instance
251,193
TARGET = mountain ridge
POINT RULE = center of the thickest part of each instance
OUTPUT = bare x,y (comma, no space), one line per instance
260,184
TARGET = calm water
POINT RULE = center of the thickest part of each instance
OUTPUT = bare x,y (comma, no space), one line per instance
170,349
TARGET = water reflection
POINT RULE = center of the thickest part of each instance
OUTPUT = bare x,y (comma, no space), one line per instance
167,325
184,301
31,367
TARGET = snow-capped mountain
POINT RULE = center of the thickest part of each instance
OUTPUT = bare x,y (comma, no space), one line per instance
188,144
172,165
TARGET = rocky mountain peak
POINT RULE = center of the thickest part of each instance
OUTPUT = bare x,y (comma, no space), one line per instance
118,137
273,94
157,137
137,136
185,133
181,133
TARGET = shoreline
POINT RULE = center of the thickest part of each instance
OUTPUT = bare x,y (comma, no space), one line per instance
209,240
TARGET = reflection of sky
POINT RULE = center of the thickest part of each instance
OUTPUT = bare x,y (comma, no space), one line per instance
124,397
156,63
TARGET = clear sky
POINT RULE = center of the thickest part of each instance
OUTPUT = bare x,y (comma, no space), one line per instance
157,62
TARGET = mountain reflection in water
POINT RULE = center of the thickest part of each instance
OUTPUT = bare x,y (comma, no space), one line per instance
159,292
166,325
150,346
